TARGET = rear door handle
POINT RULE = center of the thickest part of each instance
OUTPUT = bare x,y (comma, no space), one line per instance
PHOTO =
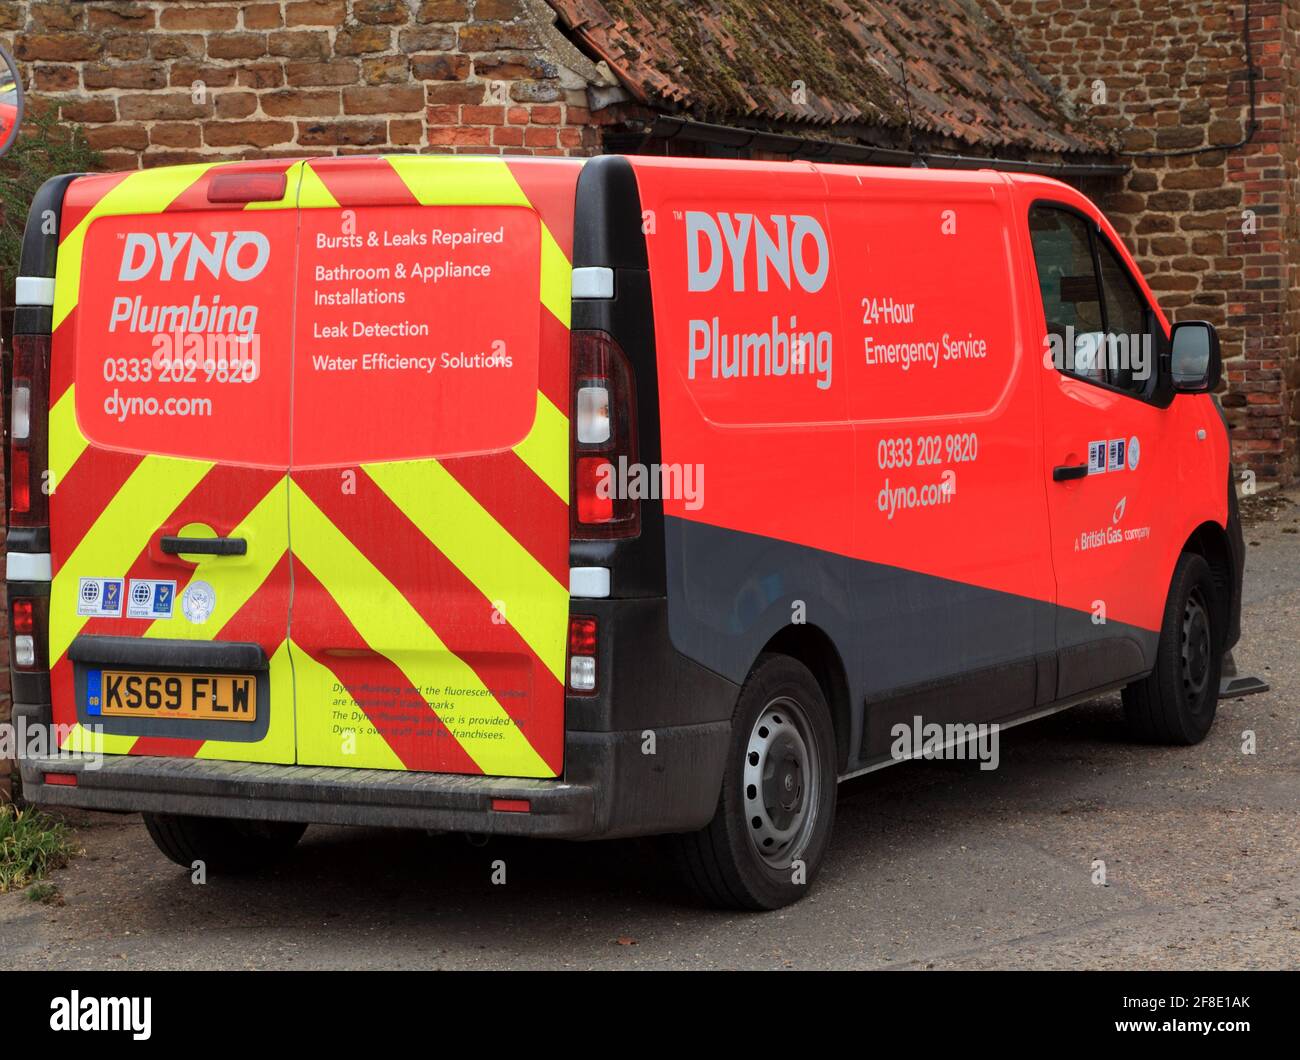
205,546
1069,472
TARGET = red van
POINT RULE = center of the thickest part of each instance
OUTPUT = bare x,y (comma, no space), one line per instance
593,498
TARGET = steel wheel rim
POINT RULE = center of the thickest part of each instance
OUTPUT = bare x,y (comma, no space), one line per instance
782,783
1197,645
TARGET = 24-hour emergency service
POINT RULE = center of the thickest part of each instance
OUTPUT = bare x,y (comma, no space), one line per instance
583,499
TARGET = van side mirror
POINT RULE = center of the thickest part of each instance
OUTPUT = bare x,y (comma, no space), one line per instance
1194,360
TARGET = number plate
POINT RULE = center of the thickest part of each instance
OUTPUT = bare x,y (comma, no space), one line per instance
210,697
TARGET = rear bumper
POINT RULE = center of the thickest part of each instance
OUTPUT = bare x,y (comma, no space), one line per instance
611,788
317,796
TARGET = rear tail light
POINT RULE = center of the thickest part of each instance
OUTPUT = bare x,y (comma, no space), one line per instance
28,620
604,439
593,415
28,443
582,654
595,490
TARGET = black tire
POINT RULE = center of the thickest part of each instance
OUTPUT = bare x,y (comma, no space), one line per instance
1176,703
723,862
224,846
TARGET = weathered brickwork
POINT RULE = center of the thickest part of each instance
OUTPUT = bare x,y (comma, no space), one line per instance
1217,232
157,83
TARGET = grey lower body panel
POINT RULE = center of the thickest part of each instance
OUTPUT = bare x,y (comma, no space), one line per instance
249,791
615,784
911,643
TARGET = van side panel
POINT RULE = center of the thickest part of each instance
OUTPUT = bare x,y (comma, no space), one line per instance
881,481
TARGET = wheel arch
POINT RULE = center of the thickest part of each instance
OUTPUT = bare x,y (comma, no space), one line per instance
813,647
1210,542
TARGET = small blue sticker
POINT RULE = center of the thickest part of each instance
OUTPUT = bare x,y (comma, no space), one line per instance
93,692
100,598
150,599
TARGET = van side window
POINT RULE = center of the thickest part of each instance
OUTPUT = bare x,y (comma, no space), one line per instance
1067,279
1097,320
1127,323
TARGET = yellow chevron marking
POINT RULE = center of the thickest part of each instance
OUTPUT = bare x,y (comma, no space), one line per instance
383,617
278,743
318,743
122,531
557,278
312,191
96,742
498,565
480,181
67,443
545,449
467,180
236,578
148,191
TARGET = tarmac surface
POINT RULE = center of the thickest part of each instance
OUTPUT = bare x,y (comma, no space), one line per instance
933,864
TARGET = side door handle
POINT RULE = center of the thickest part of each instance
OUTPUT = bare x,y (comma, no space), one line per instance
1069,472
205,546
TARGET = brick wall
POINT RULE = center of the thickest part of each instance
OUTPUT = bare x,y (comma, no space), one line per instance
158,83
1174,77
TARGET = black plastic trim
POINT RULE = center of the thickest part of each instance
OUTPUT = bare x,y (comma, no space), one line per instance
607,233
203,546
28,539
167,654
33,320
41,248
1237,547
607,220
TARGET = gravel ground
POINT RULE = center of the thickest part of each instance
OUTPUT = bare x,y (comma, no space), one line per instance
934,865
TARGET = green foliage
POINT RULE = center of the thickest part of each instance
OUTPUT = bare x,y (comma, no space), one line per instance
32,844
45,149
45,893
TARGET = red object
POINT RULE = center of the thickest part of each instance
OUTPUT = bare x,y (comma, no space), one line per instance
247,187
22,617
68,780
29,502
20,468
582,635
511,805
597,360
595,490
465,389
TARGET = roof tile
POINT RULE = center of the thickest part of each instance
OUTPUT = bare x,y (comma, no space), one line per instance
723,60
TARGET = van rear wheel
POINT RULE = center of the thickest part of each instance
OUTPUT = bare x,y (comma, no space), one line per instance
223,845
773,822
1177,702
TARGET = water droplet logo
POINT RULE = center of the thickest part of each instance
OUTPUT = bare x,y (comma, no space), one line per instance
1119,510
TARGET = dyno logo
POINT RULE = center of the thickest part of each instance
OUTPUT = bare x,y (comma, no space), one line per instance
779,244
241,255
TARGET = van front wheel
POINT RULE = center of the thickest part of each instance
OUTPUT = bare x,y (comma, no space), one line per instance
222,845
769,835
1177,702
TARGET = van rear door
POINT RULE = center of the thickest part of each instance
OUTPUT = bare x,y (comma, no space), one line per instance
430,472
169,446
